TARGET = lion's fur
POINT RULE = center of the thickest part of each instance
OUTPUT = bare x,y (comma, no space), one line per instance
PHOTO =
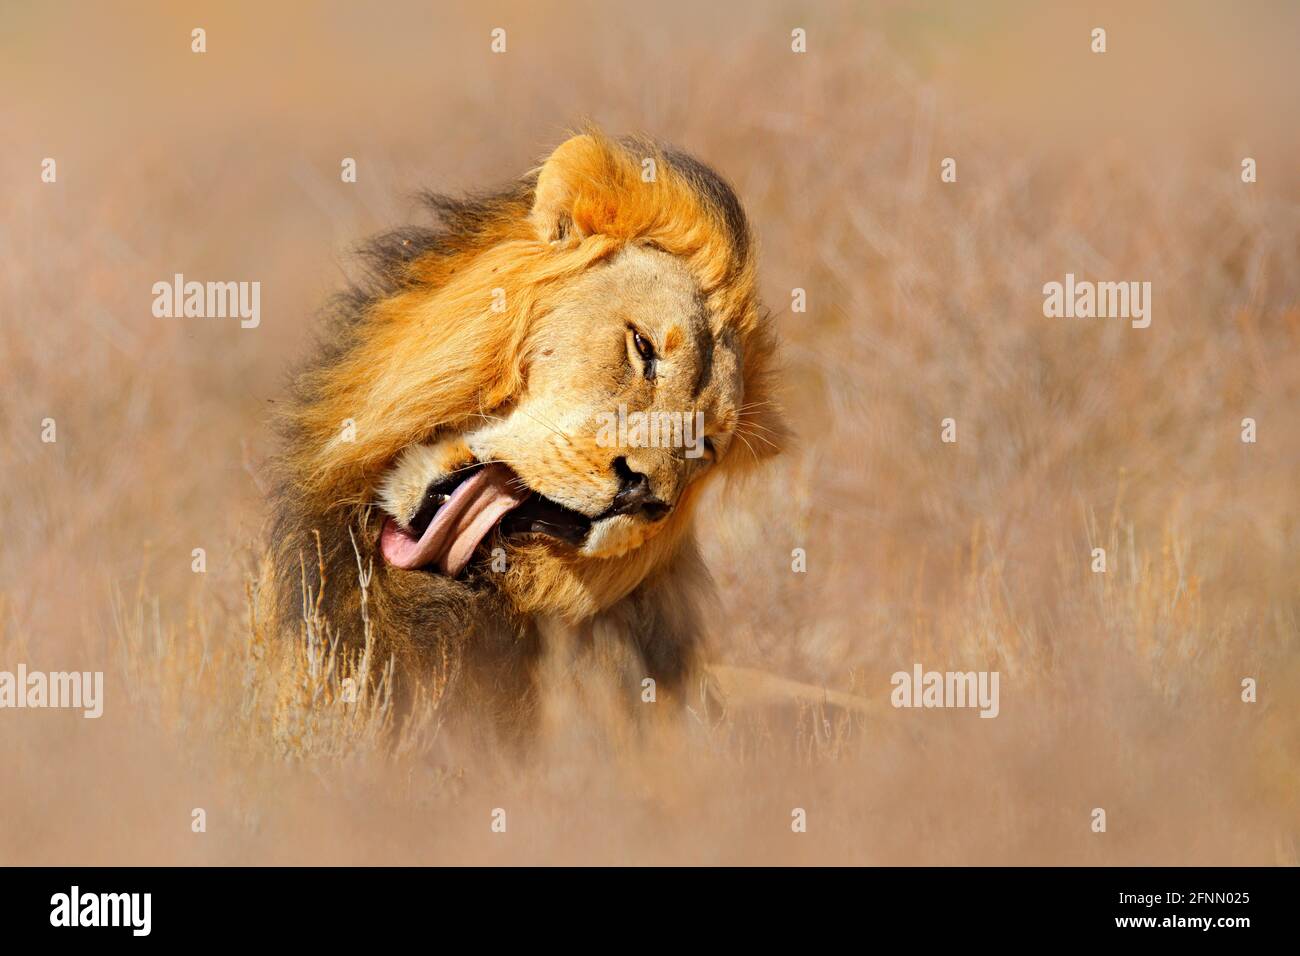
417,350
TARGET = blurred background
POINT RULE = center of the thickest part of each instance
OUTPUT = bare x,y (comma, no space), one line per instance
1119,690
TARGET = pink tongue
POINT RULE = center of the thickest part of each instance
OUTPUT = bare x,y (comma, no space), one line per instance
461,523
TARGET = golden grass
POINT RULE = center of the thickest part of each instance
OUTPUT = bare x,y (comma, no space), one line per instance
1119,690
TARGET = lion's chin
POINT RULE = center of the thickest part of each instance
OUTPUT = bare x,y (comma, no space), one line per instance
616,536
572,585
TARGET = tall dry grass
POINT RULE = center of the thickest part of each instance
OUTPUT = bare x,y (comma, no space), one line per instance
1119,690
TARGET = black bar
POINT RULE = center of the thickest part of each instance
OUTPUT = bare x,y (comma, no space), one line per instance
332,906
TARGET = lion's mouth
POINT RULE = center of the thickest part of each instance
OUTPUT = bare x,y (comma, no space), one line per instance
458,512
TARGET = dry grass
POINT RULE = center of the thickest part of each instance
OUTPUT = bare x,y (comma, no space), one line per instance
1119,690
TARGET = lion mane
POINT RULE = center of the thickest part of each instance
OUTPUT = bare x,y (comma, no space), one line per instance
435,336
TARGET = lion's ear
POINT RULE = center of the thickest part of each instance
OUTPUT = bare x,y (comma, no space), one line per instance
571,187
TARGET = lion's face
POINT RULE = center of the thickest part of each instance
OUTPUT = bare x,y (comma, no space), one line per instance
631,401
557,371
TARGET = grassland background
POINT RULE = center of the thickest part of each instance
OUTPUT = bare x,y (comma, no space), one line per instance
1118,691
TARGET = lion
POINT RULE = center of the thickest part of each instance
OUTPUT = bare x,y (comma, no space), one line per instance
451,433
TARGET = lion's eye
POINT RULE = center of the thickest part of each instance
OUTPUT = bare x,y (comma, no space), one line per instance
710,449
646,350
643,346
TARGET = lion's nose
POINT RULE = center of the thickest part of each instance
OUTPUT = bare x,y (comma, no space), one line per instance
633,496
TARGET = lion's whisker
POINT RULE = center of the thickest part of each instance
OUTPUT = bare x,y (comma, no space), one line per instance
761,438
747,444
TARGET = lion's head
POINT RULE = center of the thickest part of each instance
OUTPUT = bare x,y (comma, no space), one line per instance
533,397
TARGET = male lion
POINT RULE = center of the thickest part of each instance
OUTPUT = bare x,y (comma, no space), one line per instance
450,428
